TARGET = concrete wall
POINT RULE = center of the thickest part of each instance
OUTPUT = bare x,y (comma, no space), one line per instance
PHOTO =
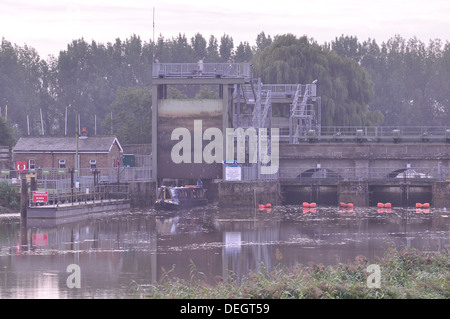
441,194
183,113
364,158
353,192
248,193
142,193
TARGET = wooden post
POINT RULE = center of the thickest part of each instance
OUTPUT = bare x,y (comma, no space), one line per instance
24,198
71,184
33,184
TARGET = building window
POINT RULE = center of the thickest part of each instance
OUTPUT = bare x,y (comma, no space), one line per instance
32,164
62,163
93,164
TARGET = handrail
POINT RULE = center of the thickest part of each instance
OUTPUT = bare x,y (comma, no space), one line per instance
72,196
201,69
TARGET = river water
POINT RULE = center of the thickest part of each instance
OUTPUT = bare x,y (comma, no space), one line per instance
119,252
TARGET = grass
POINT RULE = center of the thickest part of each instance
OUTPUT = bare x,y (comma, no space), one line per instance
405,274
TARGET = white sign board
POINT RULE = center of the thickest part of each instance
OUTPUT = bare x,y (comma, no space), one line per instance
233,173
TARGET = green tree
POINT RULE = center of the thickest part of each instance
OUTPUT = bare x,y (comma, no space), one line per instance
409,78
262,41
206,92
23,86
212,50
243,53
131,116
6,136
345,87
226,48
198,44
180,50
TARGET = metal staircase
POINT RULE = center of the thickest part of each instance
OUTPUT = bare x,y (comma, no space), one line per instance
258,103
302,116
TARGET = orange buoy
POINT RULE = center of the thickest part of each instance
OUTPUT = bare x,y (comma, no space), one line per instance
342,204
426,205
388,205
350,205
313,205
305,204
261,206
419,205
380,205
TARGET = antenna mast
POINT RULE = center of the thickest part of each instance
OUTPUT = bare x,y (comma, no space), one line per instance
154,44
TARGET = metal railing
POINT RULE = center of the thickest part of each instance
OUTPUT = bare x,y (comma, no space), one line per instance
214,70
377,134
61,178
92,194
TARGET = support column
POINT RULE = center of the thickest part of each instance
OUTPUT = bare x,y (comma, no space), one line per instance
23,198
440,192
225,119
354,192
155,134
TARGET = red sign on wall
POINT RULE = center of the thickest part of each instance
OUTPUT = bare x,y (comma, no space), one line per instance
40,197
21,166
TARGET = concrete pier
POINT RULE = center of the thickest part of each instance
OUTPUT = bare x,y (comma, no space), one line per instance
142,193
441,194
248,193
353,192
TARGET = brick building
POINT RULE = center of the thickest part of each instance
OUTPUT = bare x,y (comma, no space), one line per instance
5,157
60,152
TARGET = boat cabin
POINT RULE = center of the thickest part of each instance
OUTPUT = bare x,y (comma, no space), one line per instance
169,197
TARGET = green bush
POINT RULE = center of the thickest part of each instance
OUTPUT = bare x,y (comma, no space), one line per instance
9,196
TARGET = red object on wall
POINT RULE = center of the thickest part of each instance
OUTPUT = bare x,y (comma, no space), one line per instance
21,166
40,197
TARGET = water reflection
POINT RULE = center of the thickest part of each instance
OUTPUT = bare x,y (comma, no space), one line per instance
140,247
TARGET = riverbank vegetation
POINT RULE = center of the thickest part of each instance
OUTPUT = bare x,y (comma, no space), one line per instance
405,274
9,198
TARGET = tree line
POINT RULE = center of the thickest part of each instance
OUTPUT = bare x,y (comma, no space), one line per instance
398,82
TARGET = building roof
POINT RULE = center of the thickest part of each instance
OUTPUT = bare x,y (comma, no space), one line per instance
91,144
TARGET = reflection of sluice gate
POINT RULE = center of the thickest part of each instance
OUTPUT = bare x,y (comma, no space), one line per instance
250,249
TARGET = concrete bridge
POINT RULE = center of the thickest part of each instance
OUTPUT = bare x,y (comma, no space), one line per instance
370,161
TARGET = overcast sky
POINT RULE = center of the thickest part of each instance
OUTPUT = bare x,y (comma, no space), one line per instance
49,25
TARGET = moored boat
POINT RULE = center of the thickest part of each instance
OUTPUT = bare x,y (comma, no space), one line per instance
169,197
